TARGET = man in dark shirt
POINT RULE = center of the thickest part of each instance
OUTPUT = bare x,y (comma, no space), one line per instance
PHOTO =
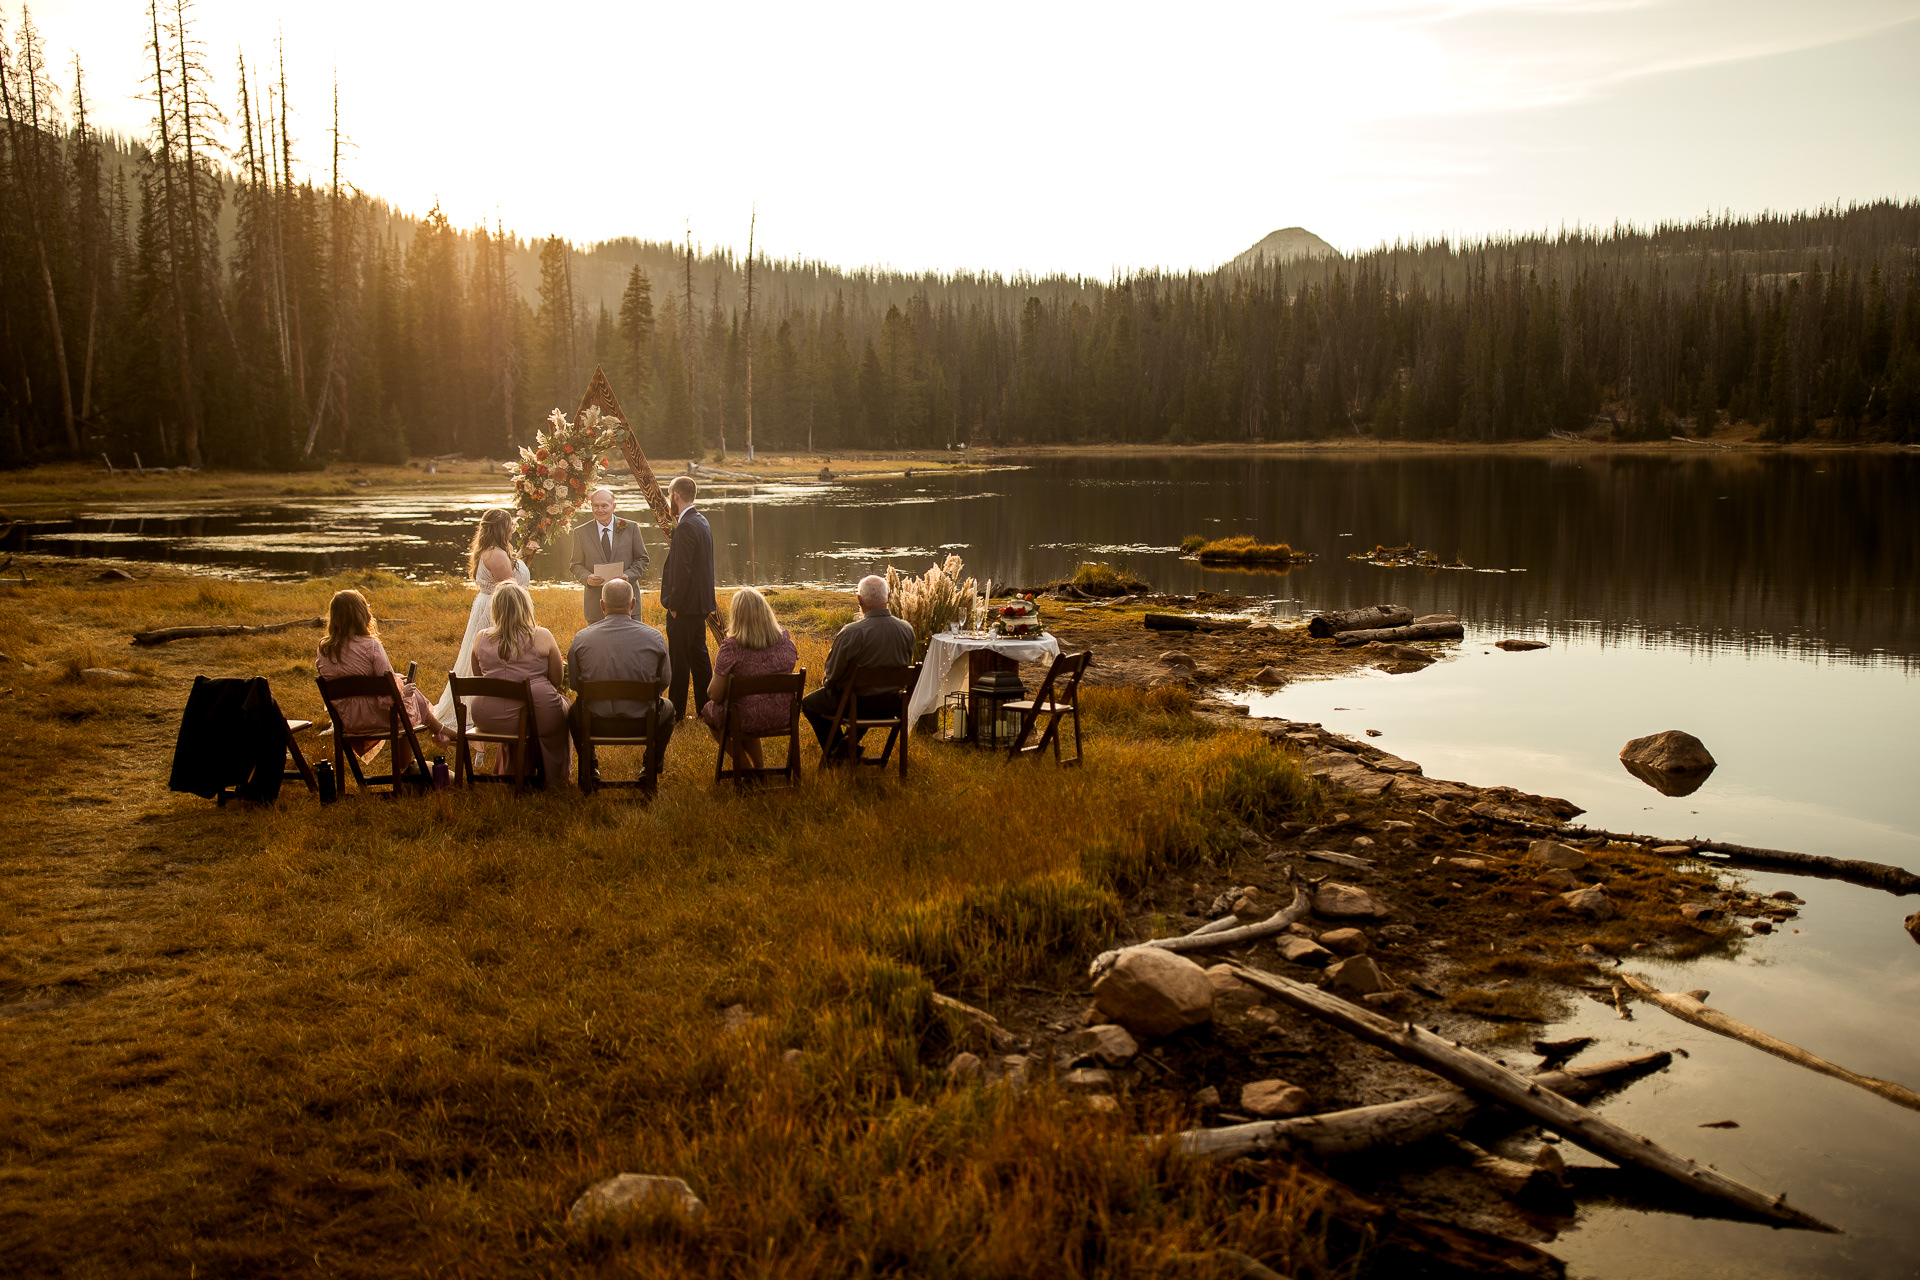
686,593
875,639
619,647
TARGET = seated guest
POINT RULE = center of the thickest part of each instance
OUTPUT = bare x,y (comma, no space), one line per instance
875,639
756,645
513,648
619,647
352,648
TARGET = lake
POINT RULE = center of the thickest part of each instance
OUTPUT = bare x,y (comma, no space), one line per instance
1768,603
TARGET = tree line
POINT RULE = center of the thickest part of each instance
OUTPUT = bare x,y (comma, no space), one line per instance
186,298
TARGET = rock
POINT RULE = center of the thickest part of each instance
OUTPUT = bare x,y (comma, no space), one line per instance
1101,1104
1699,910
1913,925
1762,926
1399,653
1269,675
1591,902
1088,1080
736,1017
1108,1044
1175,658
1222,903
1786,895
1270,1099
112,675
1372,733
631,1193
1447,811
113,575
1207,1097
1264,1016
1013,1070
1333,901
1470,864
1154,992
1357,975
1362,844
793,1058
1384,999
966,1068
1672,752
1302,951
1247,906
1225,984
1346,942
1519,646
1551,853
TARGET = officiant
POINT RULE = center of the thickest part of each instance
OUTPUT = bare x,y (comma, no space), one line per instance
604,548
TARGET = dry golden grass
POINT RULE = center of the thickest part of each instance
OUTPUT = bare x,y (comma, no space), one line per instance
399,1037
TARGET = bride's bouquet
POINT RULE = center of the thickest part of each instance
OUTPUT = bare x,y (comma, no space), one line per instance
554,477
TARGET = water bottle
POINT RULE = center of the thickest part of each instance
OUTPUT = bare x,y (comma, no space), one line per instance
329,788
441,778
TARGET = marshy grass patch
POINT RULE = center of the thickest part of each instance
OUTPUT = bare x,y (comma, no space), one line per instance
1241,549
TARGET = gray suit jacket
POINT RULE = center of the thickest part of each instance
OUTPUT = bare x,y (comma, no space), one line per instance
617,648
629,547
873,640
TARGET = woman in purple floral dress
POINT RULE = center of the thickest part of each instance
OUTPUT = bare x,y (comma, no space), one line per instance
756,645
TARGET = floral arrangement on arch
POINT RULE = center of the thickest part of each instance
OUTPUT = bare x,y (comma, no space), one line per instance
554,477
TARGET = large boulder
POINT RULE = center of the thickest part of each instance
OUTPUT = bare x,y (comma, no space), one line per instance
634,1193
1154,992
1357,976
1590,902
1272,1099
1551,853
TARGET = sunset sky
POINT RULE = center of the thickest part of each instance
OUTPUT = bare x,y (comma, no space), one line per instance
1056,137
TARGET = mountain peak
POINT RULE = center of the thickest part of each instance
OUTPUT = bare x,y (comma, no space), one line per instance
1285,245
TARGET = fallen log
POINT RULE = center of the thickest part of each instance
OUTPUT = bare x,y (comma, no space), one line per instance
1416,631
1188,622
1405,1244
1395,1124
1874,875
1472,1071
1688,1009
163,635
1373,617
1202,940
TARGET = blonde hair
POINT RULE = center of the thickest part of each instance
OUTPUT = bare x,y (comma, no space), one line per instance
750,620
512,628
495,530
348,617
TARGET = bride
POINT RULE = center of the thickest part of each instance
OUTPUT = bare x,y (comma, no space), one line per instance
491,563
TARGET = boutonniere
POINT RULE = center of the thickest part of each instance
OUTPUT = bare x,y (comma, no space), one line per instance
619,523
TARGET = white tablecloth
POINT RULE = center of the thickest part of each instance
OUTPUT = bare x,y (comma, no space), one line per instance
944,670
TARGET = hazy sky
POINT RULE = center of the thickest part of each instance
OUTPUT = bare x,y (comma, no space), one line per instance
1066,137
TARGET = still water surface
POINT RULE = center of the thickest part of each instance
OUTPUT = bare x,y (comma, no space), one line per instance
1768,604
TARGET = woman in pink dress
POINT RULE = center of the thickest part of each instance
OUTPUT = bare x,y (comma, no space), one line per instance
756,645
513,648
352,648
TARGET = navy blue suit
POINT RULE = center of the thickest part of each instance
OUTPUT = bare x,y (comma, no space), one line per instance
686,591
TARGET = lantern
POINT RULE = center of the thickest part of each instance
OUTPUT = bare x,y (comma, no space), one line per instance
993,724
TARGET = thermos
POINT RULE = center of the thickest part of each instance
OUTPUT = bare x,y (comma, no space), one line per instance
329,789
441,778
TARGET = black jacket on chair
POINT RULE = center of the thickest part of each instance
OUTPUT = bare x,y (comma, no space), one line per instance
231,735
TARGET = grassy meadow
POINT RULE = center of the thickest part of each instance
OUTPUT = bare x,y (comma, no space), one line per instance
400,1037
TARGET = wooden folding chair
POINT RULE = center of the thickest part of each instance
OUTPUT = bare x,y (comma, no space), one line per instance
301,769
743,687
1058,697
523,743
591,691
871,682
398,737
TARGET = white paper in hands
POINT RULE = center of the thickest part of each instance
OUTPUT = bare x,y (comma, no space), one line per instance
608,572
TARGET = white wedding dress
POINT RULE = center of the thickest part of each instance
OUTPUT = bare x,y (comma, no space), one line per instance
479,618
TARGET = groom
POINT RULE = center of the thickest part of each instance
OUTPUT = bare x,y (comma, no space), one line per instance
606,540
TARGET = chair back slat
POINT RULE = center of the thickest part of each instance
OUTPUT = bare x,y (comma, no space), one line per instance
1058,698
403,750
871,682
522,739
642,691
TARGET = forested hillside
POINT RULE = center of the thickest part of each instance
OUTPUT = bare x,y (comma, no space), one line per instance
183,297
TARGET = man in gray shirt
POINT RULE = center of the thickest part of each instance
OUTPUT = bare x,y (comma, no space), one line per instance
619,647
875,639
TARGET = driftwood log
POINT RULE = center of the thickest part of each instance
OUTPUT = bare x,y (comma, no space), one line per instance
1208,937
1482,1075
1371,618
1688,1009
1395,1124
1187,622
1874,875
161,635
1416,631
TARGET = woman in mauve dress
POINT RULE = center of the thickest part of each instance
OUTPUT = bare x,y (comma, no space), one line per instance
756,645
352,648
514,648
